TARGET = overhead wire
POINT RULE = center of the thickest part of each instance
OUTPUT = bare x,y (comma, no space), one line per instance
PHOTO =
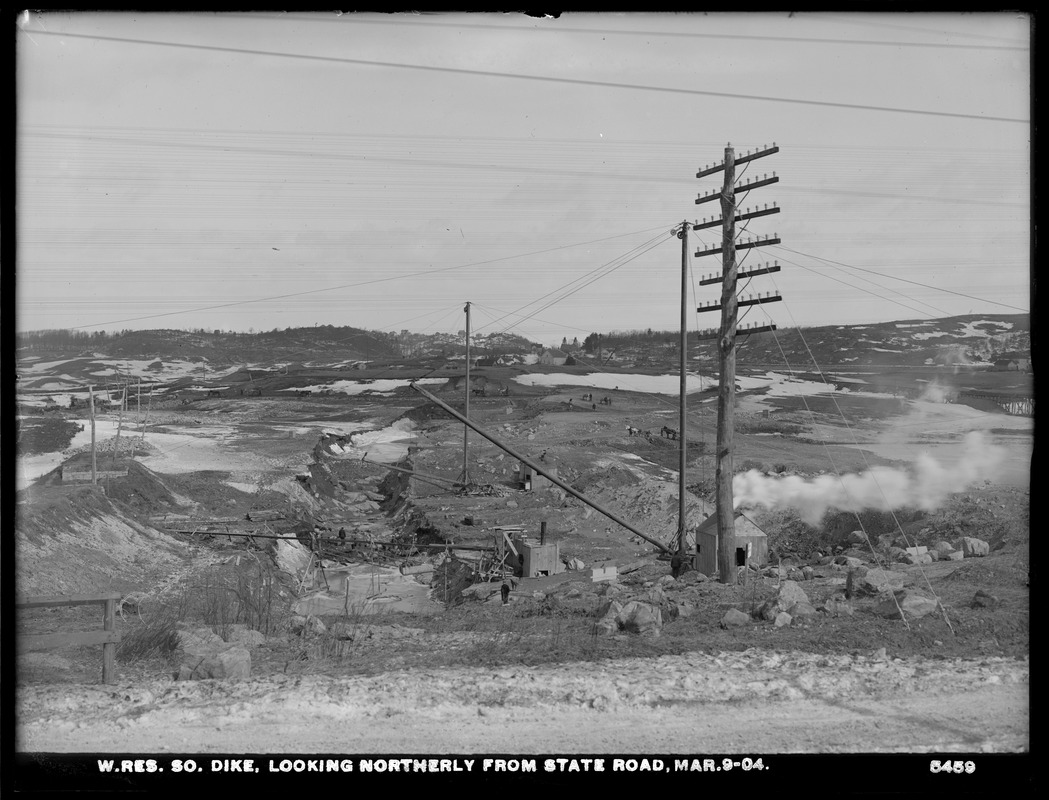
907,280
357,284
558,27
538,78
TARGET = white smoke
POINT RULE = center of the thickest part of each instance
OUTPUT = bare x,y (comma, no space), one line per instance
926,485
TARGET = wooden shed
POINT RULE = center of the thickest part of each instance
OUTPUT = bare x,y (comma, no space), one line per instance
752,545
532,480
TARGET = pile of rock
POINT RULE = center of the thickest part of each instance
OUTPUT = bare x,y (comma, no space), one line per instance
203,654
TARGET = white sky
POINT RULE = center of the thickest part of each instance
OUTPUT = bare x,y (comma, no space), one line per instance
256,177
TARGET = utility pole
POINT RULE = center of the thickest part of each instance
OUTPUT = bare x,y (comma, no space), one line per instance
464,479
120,424
726,336
727,379
683,459
94,465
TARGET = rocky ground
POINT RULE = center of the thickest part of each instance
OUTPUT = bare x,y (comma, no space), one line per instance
215,657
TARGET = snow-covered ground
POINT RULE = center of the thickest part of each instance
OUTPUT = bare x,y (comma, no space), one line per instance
628,382
386,445
147,369
382,386
29,468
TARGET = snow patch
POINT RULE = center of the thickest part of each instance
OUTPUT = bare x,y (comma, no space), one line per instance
930,335
658,384
384,386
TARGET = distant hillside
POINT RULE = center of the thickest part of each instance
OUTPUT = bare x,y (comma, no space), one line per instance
318,345
970,340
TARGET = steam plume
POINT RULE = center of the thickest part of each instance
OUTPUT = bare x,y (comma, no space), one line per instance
926,485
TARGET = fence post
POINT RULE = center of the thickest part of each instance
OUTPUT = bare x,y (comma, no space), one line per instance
109,649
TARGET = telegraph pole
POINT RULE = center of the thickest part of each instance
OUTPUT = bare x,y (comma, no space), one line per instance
727,378
726,335
94,464
683,458
464,479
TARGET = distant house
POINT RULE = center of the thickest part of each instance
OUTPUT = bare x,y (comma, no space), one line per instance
487,361
1012,365
553,357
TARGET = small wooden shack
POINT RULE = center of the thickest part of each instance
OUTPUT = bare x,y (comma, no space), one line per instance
532,480
539,559
752,544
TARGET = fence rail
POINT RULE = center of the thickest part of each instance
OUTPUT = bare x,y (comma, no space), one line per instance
107,637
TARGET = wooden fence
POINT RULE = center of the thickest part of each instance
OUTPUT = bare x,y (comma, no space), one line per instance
107,637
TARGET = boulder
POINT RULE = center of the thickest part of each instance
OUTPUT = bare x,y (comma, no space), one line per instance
684,608
482,591
198,639
610,608
300,624
957,555
290,556
983,599
575,564
231,663
974,548
344,631
943,548
807,573
857,537
789,594
875,580
245,636
922,558
802,610
783,619
641,618
911,603
837,607
734,618
849,562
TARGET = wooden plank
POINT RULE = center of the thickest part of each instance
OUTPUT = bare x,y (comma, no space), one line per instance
66,600
45,641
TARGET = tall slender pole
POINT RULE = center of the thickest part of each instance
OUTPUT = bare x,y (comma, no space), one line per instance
683,235
94,465
120,424
727,378
466,429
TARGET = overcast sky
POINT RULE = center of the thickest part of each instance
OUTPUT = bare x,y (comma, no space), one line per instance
253,171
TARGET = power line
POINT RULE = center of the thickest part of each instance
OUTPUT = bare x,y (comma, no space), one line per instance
905,280
641,250
352,285
543,78
356,20
852,20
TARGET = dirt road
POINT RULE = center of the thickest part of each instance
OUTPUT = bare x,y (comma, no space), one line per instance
748,703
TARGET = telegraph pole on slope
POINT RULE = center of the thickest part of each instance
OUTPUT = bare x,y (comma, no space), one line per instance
683,458
726,337
464,479
727,378
94,460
